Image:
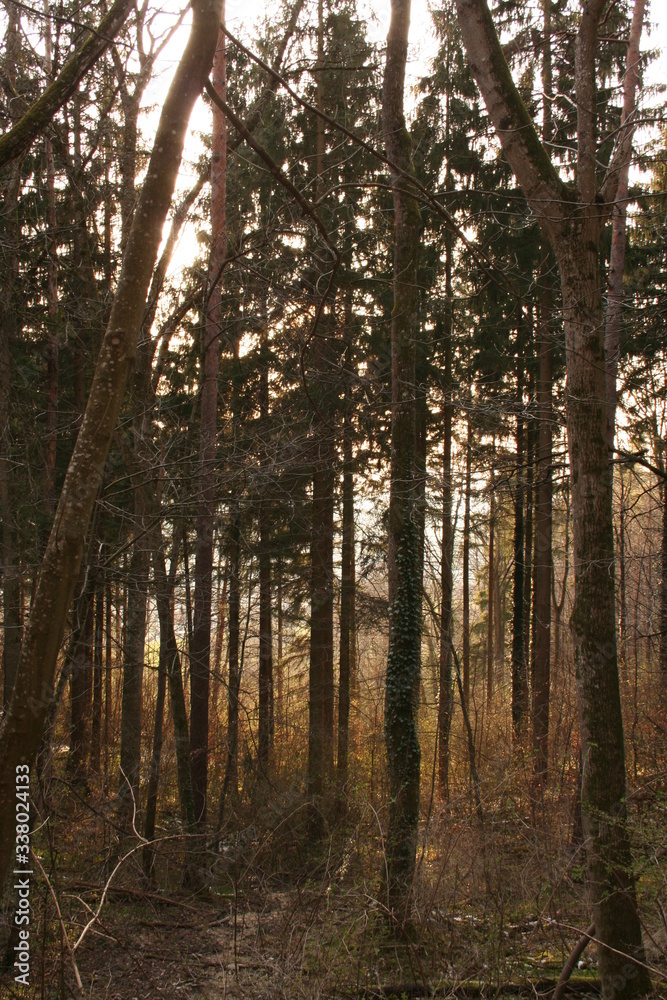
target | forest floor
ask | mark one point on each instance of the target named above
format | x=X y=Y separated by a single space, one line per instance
x=496 y=910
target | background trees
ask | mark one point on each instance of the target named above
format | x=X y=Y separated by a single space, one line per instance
x=316 y=465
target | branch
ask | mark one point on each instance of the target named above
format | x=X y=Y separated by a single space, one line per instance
x=525 y=153
x=17 y=140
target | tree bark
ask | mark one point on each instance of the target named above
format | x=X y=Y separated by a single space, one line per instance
x=574 y=232
x=22 y=726
x=542 y=555
x=38 y=116
x=491 y=581
x=347 y=597
x=200 y=652
x=519 y=679
x=405 y=598
x=466 y=565
x=266 y=719
x=98 y=647
x=446 y=677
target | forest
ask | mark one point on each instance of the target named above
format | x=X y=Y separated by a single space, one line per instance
x=333 y=501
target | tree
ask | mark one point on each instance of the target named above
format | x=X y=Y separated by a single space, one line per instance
x=404 y=574
x=571 y=218
x=23 y=724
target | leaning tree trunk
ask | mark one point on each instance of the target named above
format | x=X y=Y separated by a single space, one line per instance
x=23 y=723
x=405 y=598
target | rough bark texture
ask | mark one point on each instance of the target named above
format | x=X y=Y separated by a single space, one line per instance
x=98 y=647
x=346 y=601
x=446 y=676
x=401 y=737
x=321 y=684
x=540 y=666
x=519 y=684
x=11 y=648
x=200 y=651
x=23 y=724
x=574 y=232
x=466 y=566
x=266 y=721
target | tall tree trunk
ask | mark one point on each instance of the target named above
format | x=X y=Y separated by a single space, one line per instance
x=491 y=581
x=519 y=678
x=9 y=329
x=108 y=685
x=446 y=677
x=466 y=565
x=347 y=582
x=10 y=312
x=347 y=600
x=23 y=724
x=98 y=648
x=542 y=557
x=321 y=664
x=529 y=533
x=321 y=685
x=231 y=779
x=174 y=676
x=81 y=684
x=266 y=719
x=663 y=596
x=574 y=231
x=148 y=856
x=51 y=401
x=405 y=598
x=200 y=652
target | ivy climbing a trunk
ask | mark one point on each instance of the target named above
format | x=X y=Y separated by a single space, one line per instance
x=401 y=737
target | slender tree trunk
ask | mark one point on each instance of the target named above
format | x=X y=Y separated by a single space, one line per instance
x=405 y=615
x=321 y=686
x=347 y=597
x=663 y=596
x=542 y=557
x=9 y=330
x=347 y=590
x=98 y=648
x=529 y=536
x=491 y=579
x=148 y=857
x=266 y=720
x=446 y=677
x=321 y=664
x=133 y=658
x=200 y=651
x=81 y=686
x=23 y=724
x=519 y=678
x=231 y=779
x=51 y=401
x=108 y=685
x=466 y=565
